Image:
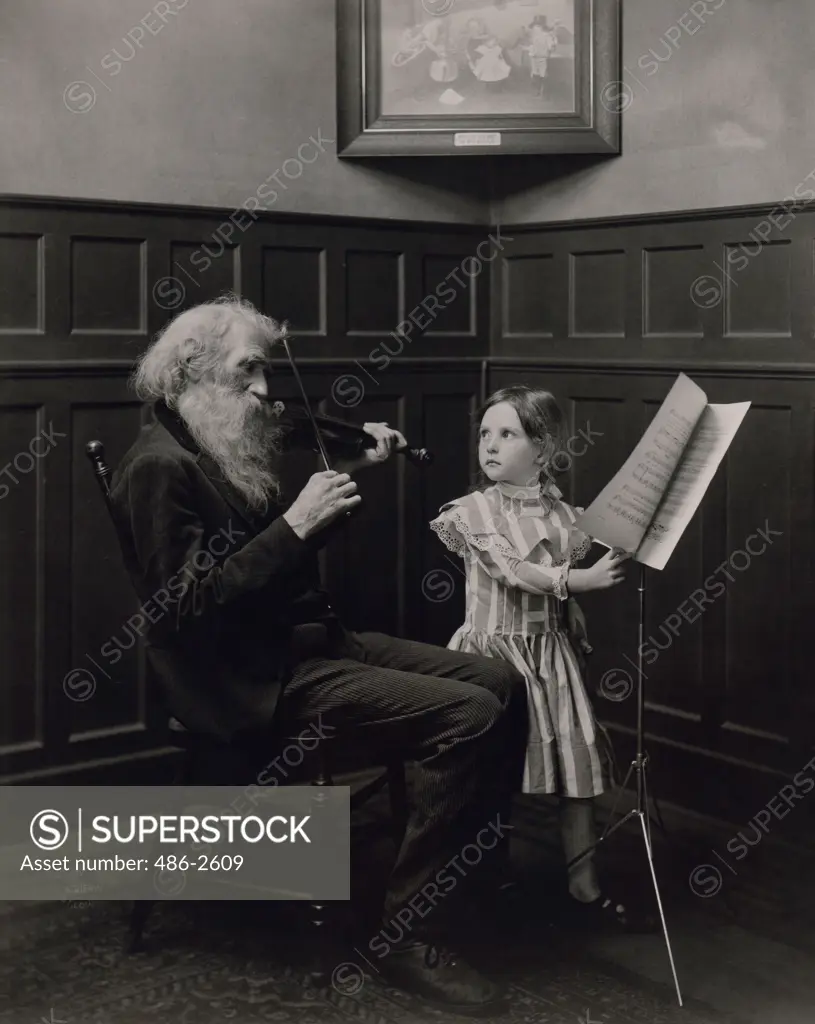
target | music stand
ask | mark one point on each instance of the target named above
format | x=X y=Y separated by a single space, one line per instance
x=664 y=479
x=638 y=766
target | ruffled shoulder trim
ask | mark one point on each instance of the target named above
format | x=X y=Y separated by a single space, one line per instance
x=479 y=521
x=471 y=521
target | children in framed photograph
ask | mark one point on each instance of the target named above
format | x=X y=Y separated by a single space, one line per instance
x=543 y=44
x=432 y=77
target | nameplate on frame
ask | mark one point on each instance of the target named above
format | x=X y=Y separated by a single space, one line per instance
x=477 y=139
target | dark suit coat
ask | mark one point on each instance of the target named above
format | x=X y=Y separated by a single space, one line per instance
x=222 y=588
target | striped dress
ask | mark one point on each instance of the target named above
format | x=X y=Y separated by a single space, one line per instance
x=518 y=544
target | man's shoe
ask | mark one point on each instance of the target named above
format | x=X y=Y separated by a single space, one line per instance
x=440 y=977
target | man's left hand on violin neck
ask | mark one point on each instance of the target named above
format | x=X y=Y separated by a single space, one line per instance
x=388 y=441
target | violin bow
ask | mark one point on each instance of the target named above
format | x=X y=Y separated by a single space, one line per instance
x=318 y=436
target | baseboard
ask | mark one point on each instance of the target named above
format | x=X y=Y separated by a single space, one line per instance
x=148 y=768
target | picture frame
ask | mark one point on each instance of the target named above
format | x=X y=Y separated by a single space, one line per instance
x=478 y=77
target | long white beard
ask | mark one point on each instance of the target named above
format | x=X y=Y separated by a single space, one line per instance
x=238 y=432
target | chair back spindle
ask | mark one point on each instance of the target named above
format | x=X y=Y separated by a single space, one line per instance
x=95 y=451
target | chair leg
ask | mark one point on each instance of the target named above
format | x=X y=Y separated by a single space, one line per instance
x=185 y=771
x=397 y=790
x=319 y=911
x=141 y=910
x=138 y=919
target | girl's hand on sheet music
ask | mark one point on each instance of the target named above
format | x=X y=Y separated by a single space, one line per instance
x=607 y=572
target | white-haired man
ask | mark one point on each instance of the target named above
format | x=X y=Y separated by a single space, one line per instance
x=251 y=636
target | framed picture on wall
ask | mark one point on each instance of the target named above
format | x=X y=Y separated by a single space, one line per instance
x=476 y=77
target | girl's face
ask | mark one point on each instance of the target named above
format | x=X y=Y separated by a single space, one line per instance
x=505 y=451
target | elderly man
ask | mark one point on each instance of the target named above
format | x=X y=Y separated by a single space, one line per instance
x=252 y=637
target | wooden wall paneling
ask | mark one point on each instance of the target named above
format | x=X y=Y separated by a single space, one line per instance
x=759 y=666
x=759 y=301
x=366 y=574
x=27 y=251
x=669 y=271
x=150 y=265
x=108 y=286
x=768 y=290
x=376 y=569
x=294 y=287
x=22 y=267
x=769 y=488
x=446 y=402
x=698 y=291
x=374 y=283
x=440 y=310
x=727 y=684
x=456 y=270
x=605 y=314
x=672 y=290
x=530 y=294
x=293 y=273
x=534 y=277
x=356 y=286
x=375 y=291
x=597 y=293
x=33 y=518
x=111 y=294
x=74 y=589
x=106 y=651
x=200 y=257
x=454 y=289
x=188 y=258
x=728 y=698
x=450 y=284
x=53 y=581
x=201 y=270
x=22 y=582
x=362 y=565
x=335 y=297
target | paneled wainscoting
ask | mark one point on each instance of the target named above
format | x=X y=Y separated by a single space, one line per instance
x=605 y=314
x=600 y=314
x=75 y=688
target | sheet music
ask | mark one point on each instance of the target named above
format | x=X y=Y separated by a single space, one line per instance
x=714 y=432
x=620 y=515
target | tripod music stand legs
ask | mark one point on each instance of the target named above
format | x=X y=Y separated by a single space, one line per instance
x=638 y=766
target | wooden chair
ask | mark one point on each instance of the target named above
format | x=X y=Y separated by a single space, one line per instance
x=199 y=750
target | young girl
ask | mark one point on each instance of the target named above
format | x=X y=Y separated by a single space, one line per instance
x=519 y=542
x=490 y=66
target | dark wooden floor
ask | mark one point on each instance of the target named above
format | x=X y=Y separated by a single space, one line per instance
x=742 y=930
x=744 y=945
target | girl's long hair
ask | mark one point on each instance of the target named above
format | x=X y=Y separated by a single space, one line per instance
x=542 y=421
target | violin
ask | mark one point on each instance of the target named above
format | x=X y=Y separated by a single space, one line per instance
x=342 y=440
x=347 y=440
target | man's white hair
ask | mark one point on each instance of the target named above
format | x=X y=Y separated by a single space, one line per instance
x=191 y=346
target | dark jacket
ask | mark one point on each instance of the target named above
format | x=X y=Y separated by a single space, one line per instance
x=227 y=594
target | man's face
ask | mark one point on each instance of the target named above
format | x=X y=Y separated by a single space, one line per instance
x=246 y=365
x=229 y=414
